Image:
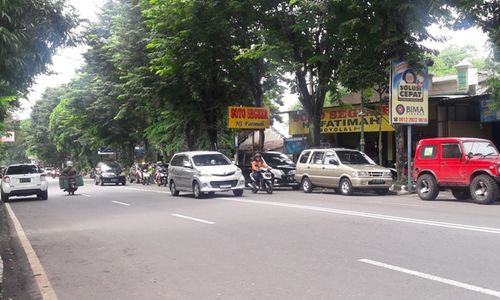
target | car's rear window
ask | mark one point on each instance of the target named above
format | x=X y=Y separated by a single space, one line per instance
x=23 y=169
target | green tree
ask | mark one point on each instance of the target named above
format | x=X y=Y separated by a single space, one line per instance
x=30 y=33
x=448 y=58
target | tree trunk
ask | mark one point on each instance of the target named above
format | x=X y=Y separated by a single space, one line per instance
x=262 y=137
x=314 y=129
x=400 y=151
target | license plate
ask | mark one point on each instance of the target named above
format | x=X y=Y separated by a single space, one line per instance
x=377 y=181
x=114 y=180
x=24 y=180
x=225 y=187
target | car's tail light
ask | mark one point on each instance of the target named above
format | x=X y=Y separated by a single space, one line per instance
x=6 y=179
x=43 y=177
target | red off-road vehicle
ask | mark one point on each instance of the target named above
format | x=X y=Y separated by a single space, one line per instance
x=469 y=167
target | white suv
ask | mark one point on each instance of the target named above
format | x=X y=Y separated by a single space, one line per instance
x=203 y=172
x=23 y=180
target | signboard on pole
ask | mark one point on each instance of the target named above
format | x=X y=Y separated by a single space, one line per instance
x=240 y=117
x=409 y=95
x=9 y=137
x=341 y=120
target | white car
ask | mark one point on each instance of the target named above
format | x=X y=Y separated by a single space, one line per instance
x=202 y=172
x=23 y=180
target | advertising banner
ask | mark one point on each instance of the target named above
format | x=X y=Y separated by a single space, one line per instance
x=294 y=145
x=488 y=114
x=341 y=120
x=409 y=95
x=8 y=137
x=248 y=117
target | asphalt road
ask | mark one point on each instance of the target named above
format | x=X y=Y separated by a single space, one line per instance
x=138 y=242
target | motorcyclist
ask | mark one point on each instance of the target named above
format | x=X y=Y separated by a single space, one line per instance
x=70 y=170
x=257 y=165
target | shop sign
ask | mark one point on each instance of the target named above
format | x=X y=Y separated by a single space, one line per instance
x=248 y=117
x=487 y=113
x=341 y=120
x=294 y=145
x=409 y=95
x=8 y=137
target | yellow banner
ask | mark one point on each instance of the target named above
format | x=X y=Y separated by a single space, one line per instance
x=341 y=120
x=248 y=117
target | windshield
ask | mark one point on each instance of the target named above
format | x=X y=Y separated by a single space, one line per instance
x=111 y=167
x=354 y=158
x=203 y=160
x=480 y=148
x=23 y=169
x=277 y=159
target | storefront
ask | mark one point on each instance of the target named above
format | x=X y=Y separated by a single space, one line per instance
x=341 y=127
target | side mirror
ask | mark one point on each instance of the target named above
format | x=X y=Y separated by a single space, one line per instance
x=470 y=155
x=333 y=161
x=186 y=164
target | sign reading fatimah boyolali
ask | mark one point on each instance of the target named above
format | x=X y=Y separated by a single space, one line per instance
x=342 y=120
x=409 y=94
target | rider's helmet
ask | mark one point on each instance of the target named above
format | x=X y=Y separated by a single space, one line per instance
x=69 y=163
x=257 y=156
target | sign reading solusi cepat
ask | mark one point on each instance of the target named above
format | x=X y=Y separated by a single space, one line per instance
x=409 y=95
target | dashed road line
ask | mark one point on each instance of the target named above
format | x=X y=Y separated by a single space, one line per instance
x=41 y=278
x=86 y=195
x=193 y=219
x=121 y=203
x=459 y=284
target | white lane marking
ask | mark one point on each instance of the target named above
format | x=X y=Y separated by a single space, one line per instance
x=41 y=278
x=373 y=216
x=194 y=219
x=144 y=190
x=433 y=277
x=121 y=203
x=86 y=195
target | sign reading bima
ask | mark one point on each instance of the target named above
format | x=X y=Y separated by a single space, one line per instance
x=248 y=117
x=409 y=95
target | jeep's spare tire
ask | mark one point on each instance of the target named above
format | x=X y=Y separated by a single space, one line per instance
x=427 y=187
x=483 y=189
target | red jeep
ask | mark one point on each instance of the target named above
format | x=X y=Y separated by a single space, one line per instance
x=467 y=166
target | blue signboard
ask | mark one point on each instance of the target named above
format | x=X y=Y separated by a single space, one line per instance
x=488 y=114
x=294 y=145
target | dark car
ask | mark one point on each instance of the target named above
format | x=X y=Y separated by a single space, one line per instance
x=109 y=172
x=282 y=167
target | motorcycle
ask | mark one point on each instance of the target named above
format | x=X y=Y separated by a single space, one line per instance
x=266 y=182
x=161 y=176
x=145 y=177
x=70 y=183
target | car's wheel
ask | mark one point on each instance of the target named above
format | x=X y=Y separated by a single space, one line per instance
x=382 y=192
x=346 y=187
x=44 y=195
x=461 y=194
x=101 y=182
x=173 y=189
x=483 y=189
x=5 y=197
x=306 y=184
x=96 y=182
x=427 y=187
x=124 y=182
x=196 y=190
x=238 y=193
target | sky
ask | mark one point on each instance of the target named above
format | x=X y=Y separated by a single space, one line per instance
x=69 y=60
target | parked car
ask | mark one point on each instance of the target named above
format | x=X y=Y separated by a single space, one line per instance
x=24 y=180
x=344 y=170
x=282 y=168
x=109 y=172
x=202 y=172
x=469 y=167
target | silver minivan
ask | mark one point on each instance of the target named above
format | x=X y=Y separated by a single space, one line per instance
x=344 y=170
x=204 y=172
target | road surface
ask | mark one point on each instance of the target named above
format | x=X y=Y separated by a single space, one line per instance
x=139 y=242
